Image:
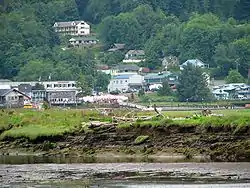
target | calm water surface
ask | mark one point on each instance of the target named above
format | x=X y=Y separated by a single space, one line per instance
x=59 y=172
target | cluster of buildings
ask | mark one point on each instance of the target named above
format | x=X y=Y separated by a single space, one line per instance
x=129 y=77
x=17 y=94
x=234 y=91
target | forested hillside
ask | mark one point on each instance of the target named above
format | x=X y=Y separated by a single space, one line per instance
x=215 y=31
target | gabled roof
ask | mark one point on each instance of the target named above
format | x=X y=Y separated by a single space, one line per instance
x=119 y=46
x=68 y=24
x=136 y=52
x=26 y=88
x=194 y=62
x=4 y=92
x=116 y=47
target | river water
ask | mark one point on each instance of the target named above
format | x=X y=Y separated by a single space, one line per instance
x=43 y=172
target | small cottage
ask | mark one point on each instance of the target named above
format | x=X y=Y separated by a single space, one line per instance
x=12 y=98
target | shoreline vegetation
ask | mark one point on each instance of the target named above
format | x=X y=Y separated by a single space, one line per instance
x=222 y=136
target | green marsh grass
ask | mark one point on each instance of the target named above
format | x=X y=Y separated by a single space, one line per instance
x=51 y=123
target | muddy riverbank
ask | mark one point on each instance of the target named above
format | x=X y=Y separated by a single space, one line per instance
x=94 y=175
x=212 y=144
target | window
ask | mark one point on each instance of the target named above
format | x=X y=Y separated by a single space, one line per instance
x=121 y=81
x=117 y=81
x=64 y=85
x=49 y=85
x=126 y=81
x=73 y=85
x=69 y=85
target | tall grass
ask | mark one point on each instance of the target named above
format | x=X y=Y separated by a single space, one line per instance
x=34 y=124
x=50 y=123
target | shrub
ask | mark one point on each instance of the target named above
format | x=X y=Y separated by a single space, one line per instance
x=141 y=139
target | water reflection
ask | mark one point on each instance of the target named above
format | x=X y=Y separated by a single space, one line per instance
x=135 y=185
x=85 y=159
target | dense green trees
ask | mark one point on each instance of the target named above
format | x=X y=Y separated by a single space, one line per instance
x=215 y=31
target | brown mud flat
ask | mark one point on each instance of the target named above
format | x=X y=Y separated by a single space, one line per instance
x=214 y=143
x=124 y=172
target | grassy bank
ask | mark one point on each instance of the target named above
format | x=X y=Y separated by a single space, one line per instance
x=57 y=123
x=87 y=132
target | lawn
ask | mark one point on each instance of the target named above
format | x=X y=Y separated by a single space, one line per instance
x=153 y=98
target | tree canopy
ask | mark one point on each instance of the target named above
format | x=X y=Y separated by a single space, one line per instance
x=193 y=85
x=234 y=77
x=216 y=32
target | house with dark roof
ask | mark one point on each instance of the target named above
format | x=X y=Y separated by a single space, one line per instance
x=73 y=28
x=12 y=98
x=127 y=68
x=158 y=78
x=116 y=47
x=134 y=56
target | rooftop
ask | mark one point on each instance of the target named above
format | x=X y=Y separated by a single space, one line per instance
x=126 y=76
x=136 y=52
x=157 y=75
x=82 y=38
x=127 y=67
x=68 y=24
x=195 y=62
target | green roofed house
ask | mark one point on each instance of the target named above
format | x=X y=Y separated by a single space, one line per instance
x=158 y=78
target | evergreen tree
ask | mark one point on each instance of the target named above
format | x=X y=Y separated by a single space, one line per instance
x=165 y=90
x=84 y=84
x=193 y=85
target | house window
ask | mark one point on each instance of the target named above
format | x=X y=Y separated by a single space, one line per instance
x=117 y=81
x=49 y=85
x=73 y=85
x=121 y=81
x=126 y=81
x=114 y=82
x=69 y=85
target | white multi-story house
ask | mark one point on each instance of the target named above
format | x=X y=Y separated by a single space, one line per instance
x=123 y=82
x=73 y=28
